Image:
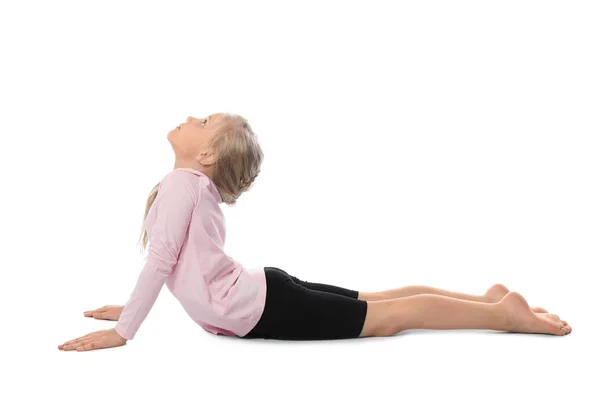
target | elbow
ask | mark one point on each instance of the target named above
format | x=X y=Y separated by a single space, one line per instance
x=163 y=259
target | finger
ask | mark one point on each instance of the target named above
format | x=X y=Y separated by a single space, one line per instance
x=75 y=340
x=69 y=347
x=90 y=346
x=81 y=343
x=102 y=309
x=103 y=316
x=89 y=335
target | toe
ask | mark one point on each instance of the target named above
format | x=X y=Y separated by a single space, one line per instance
x=539 y=310
x=550 y=325
x=565 y=328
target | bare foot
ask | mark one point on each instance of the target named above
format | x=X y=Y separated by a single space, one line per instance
x=496 y=292
x=521 y=319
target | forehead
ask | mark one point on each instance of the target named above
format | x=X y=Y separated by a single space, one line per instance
x=217 y=119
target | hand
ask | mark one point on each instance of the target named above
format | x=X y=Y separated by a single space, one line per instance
x=95 y=340
x=108 y=312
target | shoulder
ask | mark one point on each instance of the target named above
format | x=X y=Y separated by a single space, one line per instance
x=178 y=177
x=187 y=180
x=179 y=185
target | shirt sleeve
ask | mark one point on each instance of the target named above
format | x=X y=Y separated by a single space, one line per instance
x=173 y=207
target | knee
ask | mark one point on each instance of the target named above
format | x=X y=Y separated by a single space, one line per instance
x=382 y=320
x=387 y=330
x=378 y=326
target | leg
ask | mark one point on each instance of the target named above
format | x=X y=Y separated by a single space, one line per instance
x=430 y=311
x=320 y=286
x=294 y=312
x=494 y=294
x=327 y=288
x=411 y=290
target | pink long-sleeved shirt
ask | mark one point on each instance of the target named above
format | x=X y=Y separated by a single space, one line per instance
x=186 y=234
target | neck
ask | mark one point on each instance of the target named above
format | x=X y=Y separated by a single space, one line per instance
x=193 y=164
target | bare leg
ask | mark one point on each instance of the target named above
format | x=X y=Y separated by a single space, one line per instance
x=410 y=290
x=494 y=294
x=430 y=311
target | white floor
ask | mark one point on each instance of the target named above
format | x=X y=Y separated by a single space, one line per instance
x=416 y=365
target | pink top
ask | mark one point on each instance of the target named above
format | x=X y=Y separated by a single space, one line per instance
x=186 y=235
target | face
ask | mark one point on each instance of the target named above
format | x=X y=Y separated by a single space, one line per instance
x=190 y=139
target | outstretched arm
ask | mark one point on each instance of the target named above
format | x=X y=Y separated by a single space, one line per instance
x=172 y=210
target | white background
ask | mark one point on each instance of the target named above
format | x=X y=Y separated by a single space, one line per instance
x=451 y=144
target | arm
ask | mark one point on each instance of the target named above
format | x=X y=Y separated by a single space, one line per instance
x=173 y=208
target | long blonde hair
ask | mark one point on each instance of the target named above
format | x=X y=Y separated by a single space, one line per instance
x=238 y=160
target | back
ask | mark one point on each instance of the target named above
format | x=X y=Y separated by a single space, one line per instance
x=186 y=233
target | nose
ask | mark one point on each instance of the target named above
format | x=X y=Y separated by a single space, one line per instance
x=189 y=119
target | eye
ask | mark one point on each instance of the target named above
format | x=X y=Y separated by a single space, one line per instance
x=205 y=121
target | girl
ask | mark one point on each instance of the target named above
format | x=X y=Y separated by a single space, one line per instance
x=217 y=158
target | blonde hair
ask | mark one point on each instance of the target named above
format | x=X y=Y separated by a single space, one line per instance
x=238 y=159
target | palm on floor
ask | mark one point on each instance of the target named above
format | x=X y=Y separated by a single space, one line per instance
x=107 y=312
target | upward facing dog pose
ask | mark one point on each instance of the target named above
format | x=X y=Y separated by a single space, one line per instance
x=217 y=158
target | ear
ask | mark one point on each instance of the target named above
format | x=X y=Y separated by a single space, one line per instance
x=206 y=159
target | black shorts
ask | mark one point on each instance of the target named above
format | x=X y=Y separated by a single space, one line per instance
x=300 y=310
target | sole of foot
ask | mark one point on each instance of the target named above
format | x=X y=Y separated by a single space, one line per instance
x=498 y=291
x=521 y=319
